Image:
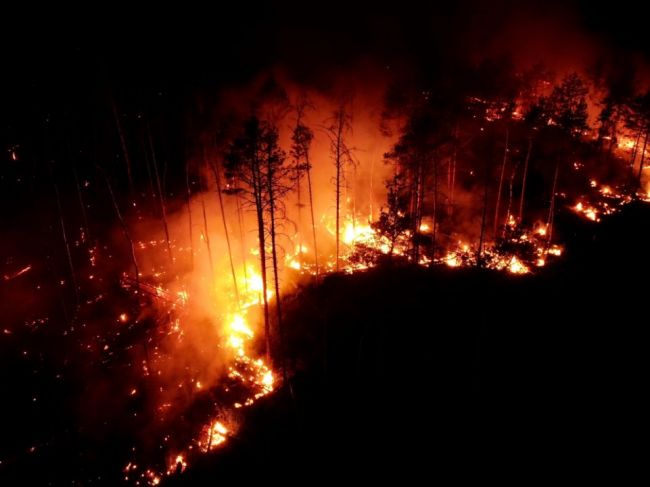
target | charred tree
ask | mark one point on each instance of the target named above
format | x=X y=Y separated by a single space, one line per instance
x=523 y=181
x=481 y=241
x=641 y=162
x=276 y=175
x=301 y=138
x=255 y=164
x=393 y=223
x=206 y=236
x=125 y=150
x=500 y=189
x=64 y=235
x=161 y=196
x=188 y=202
x=243 y=165
x=511 y=185
x=342 y=157
x=125 y=230
x=217 y=179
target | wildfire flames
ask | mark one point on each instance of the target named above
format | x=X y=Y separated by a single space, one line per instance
x=211 y=293
x=247 y=372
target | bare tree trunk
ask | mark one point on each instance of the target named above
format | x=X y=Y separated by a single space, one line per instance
x=419 y=199
x=452 y=174
x=125 y=230
x=635 y=149
x=262 y=243
x=371 y=186
x=84 y=216
x=240 y=221
x=152 y=189
x=479 y=254
x=274 y=256
x=510 y=197
x=217 y=178
x=435 y=210
x=125 y=150
x=207 y=242
x=551 y=210
x=645 y=143
x=299 y=204
x=257 y=184
x=339 y=164
x=354 y=198
x=500 y=190
x=523 y=181
x=73 y=276
x=313 y=219
x=189 y=212
x=161 y=197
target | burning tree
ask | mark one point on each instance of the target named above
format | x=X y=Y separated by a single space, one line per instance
x=637 y=119
x=427 y=139
x=393 y=224
x=342 y=156
x=301 y=138
x=255 y=163
x=565 y=108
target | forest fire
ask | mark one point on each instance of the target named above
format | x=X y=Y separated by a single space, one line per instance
x=164 y=240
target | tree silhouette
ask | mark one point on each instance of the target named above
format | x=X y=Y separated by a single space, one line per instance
x=254 y=163
x=393 y=222
x=301 y=140
x=341 y=155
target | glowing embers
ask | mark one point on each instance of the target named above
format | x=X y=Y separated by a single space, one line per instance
x=300 y=260
x=146 y=477
x=13 y=275
x=217 y=435
x=587 y=211
x=517 y=252
x=510 y=263
x=461 y=256
x=604 y=200
x=178 y=465
x=245 y=380
x=253 y=374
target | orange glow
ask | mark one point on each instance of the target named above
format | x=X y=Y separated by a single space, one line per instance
x=452 y=260
x=356 y=233
x=178 y=464
x=517 y=267
x=217 y=435
x=587 y=211
x=626 y=143
x=235 y=317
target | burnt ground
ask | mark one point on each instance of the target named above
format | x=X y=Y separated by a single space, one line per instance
x=413 y=374
x=407 y=372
